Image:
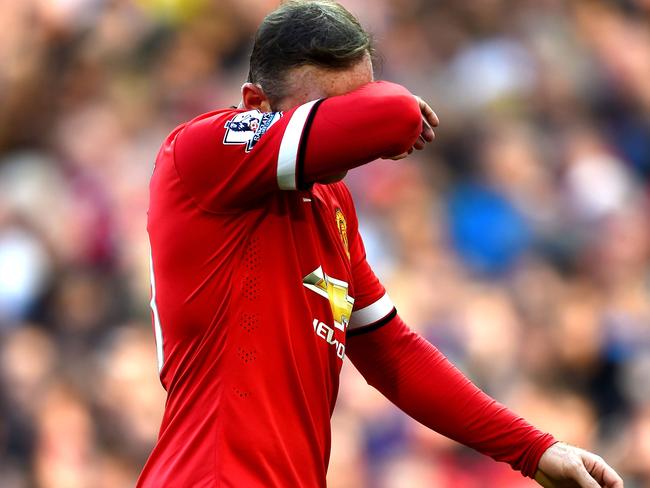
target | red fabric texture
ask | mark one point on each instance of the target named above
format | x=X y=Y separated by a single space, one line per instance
x=418 y=378
x=380 y=119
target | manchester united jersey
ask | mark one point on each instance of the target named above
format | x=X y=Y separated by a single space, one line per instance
x=257 y=278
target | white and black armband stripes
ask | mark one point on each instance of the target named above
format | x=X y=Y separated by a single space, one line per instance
x=293 y=147
x=372 y=317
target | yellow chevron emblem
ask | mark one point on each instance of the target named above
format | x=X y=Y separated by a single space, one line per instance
x=336 y=291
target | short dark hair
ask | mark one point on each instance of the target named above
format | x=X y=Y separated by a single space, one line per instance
x=321 y=33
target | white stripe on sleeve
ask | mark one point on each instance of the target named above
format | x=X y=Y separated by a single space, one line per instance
x=288 y=155
x=372 y=313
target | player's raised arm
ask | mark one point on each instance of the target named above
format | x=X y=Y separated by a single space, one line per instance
x=231 y=158
x=310 y=111
x=378 y=120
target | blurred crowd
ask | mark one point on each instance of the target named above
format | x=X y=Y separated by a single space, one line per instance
x=519 y=243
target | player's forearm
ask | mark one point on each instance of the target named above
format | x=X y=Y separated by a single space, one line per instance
x=417 y=378
x=380 y=119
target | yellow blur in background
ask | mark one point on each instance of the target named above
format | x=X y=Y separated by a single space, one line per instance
x=519 y=243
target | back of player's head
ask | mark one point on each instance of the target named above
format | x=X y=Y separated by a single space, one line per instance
x=320 y=33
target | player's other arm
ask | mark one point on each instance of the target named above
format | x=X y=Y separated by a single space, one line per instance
x=417 y=378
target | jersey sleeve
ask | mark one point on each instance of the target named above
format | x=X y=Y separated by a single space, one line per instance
x=378 y=120
x=232 y=158
x=419 y=379
x=372 y=305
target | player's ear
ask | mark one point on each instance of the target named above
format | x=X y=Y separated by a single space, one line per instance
x=254 y=98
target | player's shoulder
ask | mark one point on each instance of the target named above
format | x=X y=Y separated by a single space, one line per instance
x=211 y=117
x=232 y=127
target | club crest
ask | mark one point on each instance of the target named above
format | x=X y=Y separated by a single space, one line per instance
x=342 y=226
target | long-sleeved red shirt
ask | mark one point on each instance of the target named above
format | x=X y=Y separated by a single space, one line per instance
x=259 y=277
x=417 y=378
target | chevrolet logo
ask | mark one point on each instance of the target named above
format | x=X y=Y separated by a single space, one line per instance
x=336 y=291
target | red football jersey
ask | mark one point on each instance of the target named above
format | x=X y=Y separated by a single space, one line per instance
x=257 y=277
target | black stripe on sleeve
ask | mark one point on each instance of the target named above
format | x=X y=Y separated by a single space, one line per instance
x=300 y=161
x=374 y=326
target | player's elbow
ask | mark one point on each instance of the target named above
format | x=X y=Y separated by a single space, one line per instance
x=404 y=126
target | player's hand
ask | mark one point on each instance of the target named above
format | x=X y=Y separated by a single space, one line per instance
x=429 y=121
x=565 y=466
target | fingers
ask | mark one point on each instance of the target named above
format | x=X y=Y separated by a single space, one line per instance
x=563 y=465
x=419 y=143
x=601 y=471
x=427 y=134
x=429 y=120
x=611 y=479
x=595 y=471
x=583 y=477
x=427 y=112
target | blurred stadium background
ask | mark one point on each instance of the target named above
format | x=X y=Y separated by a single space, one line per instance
x=519 y=243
